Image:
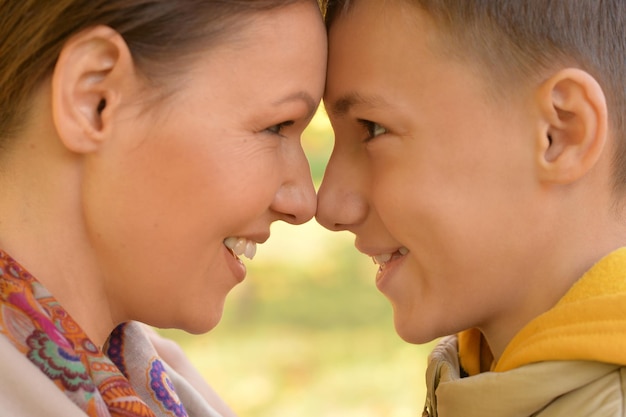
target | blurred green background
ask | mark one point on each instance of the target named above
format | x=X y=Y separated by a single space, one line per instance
x=307 y=333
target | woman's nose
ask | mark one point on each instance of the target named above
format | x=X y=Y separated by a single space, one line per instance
x=295 y=201
x=341 y=203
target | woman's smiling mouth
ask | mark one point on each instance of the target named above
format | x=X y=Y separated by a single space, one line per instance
x=241 y=246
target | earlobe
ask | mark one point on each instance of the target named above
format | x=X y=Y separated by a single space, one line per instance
x=92 y=70
x=575 y=125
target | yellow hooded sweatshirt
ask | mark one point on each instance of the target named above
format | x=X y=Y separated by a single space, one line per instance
x=570 y=361
x=588 y=323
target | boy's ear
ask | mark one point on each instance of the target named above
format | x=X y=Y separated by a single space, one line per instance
x=575 y=125
x=93 y=69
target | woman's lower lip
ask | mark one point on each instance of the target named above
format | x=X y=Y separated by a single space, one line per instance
x=236 y=266
x=386 y=272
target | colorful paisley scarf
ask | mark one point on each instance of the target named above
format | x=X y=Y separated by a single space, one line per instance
x=129 y=380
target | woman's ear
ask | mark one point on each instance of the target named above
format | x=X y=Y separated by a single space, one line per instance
x=93 y=70
x=574 y=125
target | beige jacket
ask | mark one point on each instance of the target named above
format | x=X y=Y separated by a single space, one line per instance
x=544 y=389
x=569 y=361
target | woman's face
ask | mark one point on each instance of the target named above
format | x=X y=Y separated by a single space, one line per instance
x=218 y=161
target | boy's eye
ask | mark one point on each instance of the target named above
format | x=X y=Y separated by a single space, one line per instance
x=373 y=129
x=277 y=129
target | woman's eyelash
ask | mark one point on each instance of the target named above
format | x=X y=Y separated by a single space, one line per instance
x=278 y=128
x=373 y=129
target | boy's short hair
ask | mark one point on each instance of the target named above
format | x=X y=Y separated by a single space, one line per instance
x=516 y=42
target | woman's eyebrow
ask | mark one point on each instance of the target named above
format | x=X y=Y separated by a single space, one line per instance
x=345 y=103
x=300 y=96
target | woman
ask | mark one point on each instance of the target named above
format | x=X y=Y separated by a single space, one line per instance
x=146 y=145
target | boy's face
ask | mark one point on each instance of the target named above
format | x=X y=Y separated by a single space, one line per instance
x=429 y=169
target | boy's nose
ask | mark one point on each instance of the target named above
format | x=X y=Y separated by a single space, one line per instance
x=340 y=202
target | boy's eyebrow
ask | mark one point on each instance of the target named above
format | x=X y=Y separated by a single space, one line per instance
x=345 y=103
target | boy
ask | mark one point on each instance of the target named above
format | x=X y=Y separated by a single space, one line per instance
x=480 y=159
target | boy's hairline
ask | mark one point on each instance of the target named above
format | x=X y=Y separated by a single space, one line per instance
x=500 y=81
x=449 y=45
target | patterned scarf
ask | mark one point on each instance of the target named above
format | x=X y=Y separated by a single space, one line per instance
x=129 y=380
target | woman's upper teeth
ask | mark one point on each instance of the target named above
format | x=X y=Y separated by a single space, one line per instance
x=241 y=246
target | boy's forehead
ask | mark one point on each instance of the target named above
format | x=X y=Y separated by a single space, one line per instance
x=376 y=43
x=379 y=47
x=382 y=29
x=383 y=64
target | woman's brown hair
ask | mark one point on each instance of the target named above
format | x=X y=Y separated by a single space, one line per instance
x=158 y=33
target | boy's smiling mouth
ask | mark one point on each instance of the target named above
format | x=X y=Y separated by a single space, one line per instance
x=387 y=263
x=384 y=258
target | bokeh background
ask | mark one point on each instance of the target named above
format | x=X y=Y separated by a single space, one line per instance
x=307 y=334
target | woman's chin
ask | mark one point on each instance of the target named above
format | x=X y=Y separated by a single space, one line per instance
x=200 y=323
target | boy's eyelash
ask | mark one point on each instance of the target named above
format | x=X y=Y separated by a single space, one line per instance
x=278 y=128
x=370 y=127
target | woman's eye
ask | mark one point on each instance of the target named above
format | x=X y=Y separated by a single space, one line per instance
x=277 y=129
x=373 y=129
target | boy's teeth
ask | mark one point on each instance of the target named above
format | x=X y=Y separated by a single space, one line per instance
x=381 y=259
x=241 y=246
x=386 y=257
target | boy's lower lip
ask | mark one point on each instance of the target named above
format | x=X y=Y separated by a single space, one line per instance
x=386 y=271
x=236 y=266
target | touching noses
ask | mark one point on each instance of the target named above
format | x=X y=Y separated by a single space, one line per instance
x=295 y=202
x=341 y=203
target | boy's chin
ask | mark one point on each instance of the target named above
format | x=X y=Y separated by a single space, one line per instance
x=416 y=334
